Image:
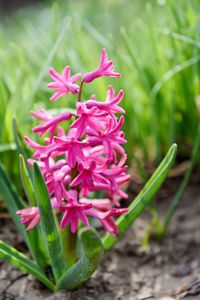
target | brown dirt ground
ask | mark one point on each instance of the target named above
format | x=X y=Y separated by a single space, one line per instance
x=166 y=270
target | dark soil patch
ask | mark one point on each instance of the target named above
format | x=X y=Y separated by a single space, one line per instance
x=166 y=270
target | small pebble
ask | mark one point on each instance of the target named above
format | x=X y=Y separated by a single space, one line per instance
x=182 y=270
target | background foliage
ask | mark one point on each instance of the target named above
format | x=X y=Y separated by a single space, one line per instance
x=155 y=45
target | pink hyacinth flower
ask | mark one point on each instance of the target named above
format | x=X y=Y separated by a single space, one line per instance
x=87 y=117
x=51 y=124
x=73 y=147
x=87 y=176
x=106 y=68
x=117 y=176
x=73 y=211
x=40 y=149
x=31 y=215
x=110 y=105
x=106 y=218
x=56 y=182
x=63 y=83
x=111 y=136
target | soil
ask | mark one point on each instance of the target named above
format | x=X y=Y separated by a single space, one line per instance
x=166 y=270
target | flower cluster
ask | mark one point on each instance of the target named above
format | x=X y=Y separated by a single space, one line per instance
x=84 y=160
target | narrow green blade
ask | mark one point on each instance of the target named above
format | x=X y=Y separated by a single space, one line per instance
x=48 y=224
x=27 y=182
x=21 y=148
x=7 y=147
x=35 y=234
x=19 y=141
x=87 y=264
x=22 y=262
x=142 y=200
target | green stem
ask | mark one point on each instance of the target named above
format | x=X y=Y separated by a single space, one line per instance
x=80 y=91
x=178 y=196
x=69 y=240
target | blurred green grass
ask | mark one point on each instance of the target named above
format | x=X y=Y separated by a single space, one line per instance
x=154 y=44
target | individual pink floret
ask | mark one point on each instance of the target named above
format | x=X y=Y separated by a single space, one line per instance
x=88 y=175
x=31 y=215
x=63 y=83
x=51 y=123
x=106 y=68
x=106 y=218
x=109 y=137
x=87 y=118
x=73 y=212
x=73 y=147
x=110 y=105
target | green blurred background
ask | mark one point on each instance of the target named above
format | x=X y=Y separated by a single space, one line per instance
x=155 y=46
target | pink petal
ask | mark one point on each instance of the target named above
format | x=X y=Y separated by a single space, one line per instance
x=74 y=222
x=55 y=75
x=66 y=218
x=55 y=85
x=58 y=94
x=104 y=57
x=33 y=223
x=66 y=73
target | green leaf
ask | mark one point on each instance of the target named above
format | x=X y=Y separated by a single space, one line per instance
x=82 y=270
x=35 y=234
x=21 y=148
x=7 y=147
x=27 y=182
x=144 y=197
x=19 y=141
x=48 y=224
x=22 y=262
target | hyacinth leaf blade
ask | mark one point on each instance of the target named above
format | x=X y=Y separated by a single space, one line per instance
x=49 y=229
x=82 y=270
x=21 y=148
x=35 y=234
x=20 y=145
x=22 y=262
x=144 y=197
x=7 y=147
x=26 y=181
